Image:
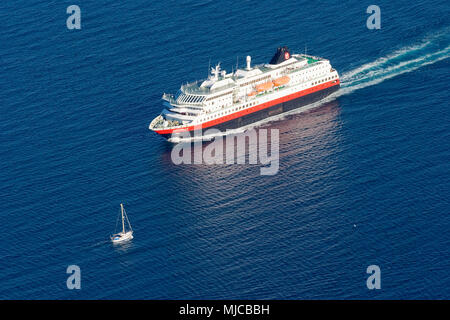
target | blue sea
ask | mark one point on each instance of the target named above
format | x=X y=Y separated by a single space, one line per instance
x=364 y=177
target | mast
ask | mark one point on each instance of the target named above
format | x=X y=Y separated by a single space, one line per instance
x=123 y=221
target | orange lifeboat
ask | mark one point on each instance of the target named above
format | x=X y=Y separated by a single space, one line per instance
x=281 y=81
x=264 y=86
x=252 y=93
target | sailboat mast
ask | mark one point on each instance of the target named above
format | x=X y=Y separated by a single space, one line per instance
x=123 y=221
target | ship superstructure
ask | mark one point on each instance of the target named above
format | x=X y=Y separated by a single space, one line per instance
x=232 y=100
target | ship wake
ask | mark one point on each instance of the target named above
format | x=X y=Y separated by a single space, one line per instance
x=429 y=50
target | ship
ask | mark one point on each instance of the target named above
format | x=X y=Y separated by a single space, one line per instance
x=227 y=101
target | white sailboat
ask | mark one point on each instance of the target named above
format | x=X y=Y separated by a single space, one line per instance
x=124 y=235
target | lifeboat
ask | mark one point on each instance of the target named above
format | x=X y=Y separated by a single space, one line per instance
x=264 y=86
x=252 y=93
x=281 y=81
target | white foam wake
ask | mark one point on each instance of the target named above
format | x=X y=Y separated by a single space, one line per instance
x=401 y=61
x=382 y=61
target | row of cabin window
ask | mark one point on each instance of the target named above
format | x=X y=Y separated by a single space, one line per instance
x=220 y=100
x=311 y=70
x=329 y=78
x=234 y=109
x=316 y=68
x=326 y=79
x=215 y=97
x=254 y=81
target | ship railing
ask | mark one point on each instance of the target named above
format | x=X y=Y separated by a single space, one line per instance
x=168 y=97
x=172 y=123
x=311 y=56
x=160 y=123
x=194 y=88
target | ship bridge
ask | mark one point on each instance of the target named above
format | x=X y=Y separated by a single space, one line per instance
x=186 y=98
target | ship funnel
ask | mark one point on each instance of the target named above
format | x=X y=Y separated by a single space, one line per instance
x=249 y=60
x=282 y=55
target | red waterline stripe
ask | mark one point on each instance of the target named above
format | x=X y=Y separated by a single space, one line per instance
x=253 y=109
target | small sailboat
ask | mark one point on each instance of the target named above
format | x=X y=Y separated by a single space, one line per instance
x=124 y=235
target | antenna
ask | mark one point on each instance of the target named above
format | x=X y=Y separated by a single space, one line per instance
x=305 y=48
x=237 y=63
x=209 y=67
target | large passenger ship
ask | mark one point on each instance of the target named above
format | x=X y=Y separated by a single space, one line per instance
x=233 y=100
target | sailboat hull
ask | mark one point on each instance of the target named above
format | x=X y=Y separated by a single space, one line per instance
x=122 y=237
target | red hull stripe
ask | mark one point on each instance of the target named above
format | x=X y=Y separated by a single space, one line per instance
x=259 y=107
